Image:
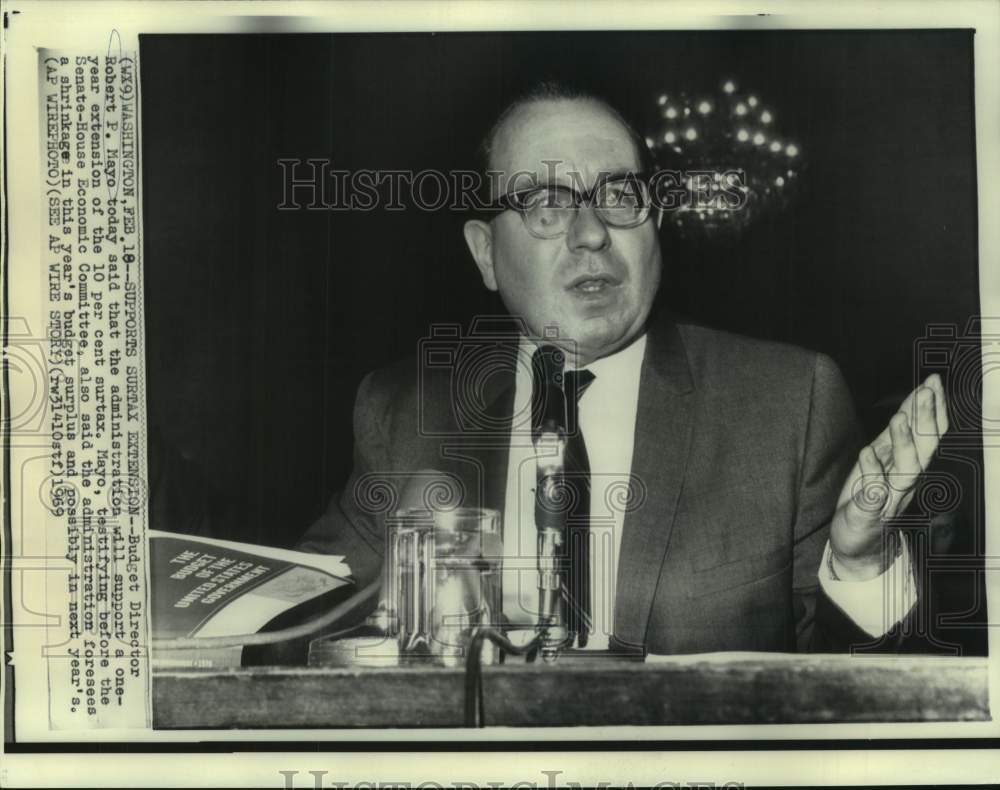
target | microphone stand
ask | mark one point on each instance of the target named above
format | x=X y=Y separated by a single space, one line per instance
x=550 y=522
x=551 y=634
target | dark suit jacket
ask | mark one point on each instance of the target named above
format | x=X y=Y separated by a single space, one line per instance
x=742 y=446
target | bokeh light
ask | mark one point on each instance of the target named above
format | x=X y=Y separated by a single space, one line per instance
x=760 y=165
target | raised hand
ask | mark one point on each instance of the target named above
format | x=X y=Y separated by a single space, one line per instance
x=883 y=480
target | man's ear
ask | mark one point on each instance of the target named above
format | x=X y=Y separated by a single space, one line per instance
x=479 y=238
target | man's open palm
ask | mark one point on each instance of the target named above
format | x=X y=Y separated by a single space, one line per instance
x=882 y=482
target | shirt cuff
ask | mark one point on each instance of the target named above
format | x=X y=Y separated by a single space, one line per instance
x=875 y=605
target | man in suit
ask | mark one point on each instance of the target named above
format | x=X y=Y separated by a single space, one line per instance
x=727 y=502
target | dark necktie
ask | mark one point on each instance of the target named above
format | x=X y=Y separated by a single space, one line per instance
x=556 y=396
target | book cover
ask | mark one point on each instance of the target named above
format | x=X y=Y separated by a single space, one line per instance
x=203 y=587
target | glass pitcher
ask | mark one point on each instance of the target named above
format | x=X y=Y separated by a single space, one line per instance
x=443 y=570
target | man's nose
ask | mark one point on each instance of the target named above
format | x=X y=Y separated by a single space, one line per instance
x=587 y=232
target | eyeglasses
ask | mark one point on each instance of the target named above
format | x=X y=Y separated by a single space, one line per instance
x=549 y=210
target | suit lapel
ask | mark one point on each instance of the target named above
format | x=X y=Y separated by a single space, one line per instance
x=662 y=443
x=481 y=450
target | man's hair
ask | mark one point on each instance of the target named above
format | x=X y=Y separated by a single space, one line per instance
x=552 y=90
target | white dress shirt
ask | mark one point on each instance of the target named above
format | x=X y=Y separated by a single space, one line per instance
x=607 y=416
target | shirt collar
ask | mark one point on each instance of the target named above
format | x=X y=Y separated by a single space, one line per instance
x=624 y=362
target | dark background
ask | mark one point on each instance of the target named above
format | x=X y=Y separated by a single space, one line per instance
x=260 y=323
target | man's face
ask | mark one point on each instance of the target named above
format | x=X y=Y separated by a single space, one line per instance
x=596 y=283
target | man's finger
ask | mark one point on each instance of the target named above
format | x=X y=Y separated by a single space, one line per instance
x=940 y=403
x=925 y=435
x=883 y=450
x=905 y=463
x=871 y=490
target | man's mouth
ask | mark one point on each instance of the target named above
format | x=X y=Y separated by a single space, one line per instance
x=593 y=283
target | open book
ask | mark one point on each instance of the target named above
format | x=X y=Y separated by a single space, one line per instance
x=206 y=587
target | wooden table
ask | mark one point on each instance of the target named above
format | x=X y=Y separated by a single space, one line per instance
x=720 y=689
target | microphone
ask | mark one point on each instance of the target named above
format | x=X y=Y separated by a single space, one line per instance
x=550 y=522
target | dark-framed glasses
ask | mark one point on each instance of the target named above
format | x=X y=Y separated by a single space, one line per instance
x=549 y=210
